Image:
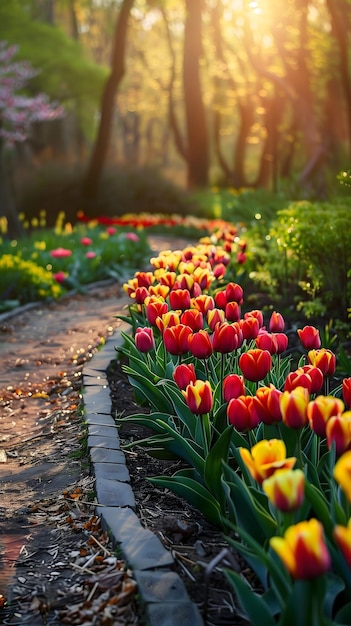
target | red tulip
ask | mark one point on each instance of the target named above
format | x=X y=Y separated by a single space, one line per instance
x=309 y=337
x=298 y=379
x=242 y=413
x=316 y=376
x=346 y=391
x=203 y=303
x=140 y=294
x=221 y=300
x=232 y=311
x=145 y=279
x=234 y=293
x=144 y=339
x=338 y=431
x=198 y=396
x=184 y=374
x=215 y=316
x=175 y=339
x=193 y=318
x=255 y=364
x=179 y=299
x=255 y=313
x=225 y=338
x=250 y=327
x=266 y=341
x=342 y=536
x=276 y=323
x=200 y=344
x=171 y=318
x=282 y=341
x=233 y=387
x=155 y=309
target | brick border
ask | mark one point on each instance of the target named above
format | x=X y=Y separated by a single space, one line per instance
x=162 y=591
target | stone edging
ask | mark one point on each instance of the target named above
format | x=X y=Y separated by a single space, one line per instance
x=162 y=591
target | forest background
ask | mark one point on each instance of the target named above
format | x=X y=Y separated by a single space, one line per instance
x=233 y=93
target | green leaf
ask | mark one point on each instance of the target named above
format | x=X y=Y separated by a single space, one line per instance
x=252 y=604
x=192 y=491
x=214 y=465
x=180 y=407
x=187 y=450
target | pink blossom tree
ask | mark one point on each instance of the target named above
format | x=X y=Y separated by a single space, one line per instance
x=17 y=114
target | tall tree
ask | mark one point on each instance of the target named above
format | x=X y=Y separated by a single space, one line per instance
x=93 y=175
x=196 y=125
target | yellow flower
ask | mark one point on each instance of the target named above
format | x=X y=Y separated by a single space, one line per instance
x=342 y=473
x=265 y=458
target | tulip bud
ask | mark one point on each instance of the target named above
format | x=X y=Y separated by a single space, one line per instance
x=303 y=550
x=242 y=413
x=234 y=293
x=179 y=299
x=282 y=341
x=198 y=396
x=171 y=318
x=250 y=327
x=221 y=300
x=276 y=323
x=320 y=410
x=346 y=391
x=232 y=311
x=267 y=401
x=255 y=364
x=193 y=318
x=324 y=359
x=255 y=313
x=155 y=309
x=293 y=405
x=225 y=338
x=309 y=337
x=175 y=339
x=266 y=341
x=144 y=339
x=200 y=344
x=214 y=317
x=233 y=387
x=285 y=489
x=338 y=431
x=203 y=303
x=184 y=374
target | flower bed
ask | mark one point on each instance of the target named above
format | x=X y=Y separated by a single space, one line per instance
x=260 y=418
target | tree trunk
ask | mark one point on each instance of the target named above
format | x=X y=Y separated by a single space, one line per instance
x=7 y=200
x=196 y=127
x=92 y=179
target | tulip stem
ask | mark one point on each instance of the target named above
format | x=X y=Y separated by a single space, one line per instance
x=206 y=432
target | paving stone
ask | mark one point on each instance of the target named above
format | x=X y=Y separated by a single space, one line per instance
x=98 y=419
x=103 y=430
x=98 y=399
x=116 y=471
x=104 y=455
x=111 y=492
x=97 y=441
x=161 y=586
x=173 y=614
x=141 y=548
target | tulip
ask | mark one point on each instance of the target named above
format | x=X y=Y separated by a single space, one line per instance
x=167 y=278
x=276 y=323
x=232 y=311
x=60 y=253
x=285 y=489
x=282 y=341
x=255 y=364
x=316 y=376
x=233 y=387
x=241 y=257
x=203 y=278
x=175 y=339
x=298 y=378
x=184 y=374
x=221 y=300
x=215 y=316
x=303 y=550
x=309 y=337
x=60 y=277
x=184 y=281
x=267 y=402
x=342 y=473
x=266 y=341
x=255 y=313
x=179 y=299
x=242 y=413
x=144 y=279
x=234 y=293
x=293 y=405
x=132 y=237
x=144 y=339
x=203 y=303
x=320 y=410
x=250 y=327
x=324 y=359
x=86 y=241
x=193 y=318
x=198 y=396
x=338 y=431
x=140 y=294
x=265 y=458
x=200 y=344
x=155 y=309
x=219 y=270
x=346 y=391
x=342 y=536
x=159 y=290
x=225 y=338
x=171 y=318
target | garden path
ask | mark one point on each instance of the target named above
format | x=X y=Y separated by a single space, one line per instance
x=42 y=352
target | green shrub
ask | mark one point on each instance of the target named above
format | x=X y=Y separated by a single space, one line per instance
x=24 y=281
